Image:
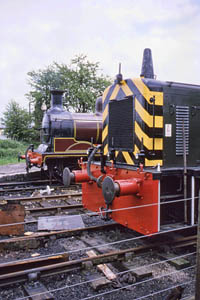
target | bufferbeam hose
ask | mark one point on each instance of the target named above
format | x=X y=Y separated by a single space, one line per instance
x=90 y=159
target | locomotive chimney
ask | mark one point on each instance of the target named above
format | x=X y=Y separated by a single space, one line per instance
x=98 y=106
x=57 y=99
x=147 y=64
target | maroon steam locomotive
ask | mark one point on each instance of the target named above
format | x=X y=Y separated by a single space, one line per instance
x=65 y=137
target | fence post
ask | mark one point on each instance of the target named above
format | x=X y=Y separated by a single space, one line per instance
x=197 y=289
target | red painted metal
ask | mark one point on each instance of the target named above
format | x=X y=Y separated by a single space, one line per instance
x=81 y=176
x=35 y=158
x=128 y=187
x=127 y=206
x=36 y=161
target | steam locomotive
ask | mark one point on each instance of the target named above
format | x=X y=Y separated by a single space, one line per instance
x=65 y=137
x=148 y=177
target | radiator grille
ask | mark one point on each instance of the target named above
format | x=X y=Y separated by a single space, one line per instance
x=121 y=124
x=182 y=117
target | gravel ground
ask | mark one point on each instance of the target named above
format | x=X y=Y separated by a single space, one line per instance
x=69 y=285
x=19 y=168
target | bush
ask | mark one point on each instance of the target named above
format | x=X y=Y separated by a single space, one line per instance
x=9 y=150
x=5 y=144
x=18 y=123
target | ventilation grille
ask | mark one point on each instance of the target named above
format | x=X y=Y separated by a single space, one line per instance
x=121 y=125
x=182 y=119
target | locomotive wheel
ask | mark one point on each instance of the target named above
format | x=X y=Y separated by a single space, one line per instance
x=66 y=177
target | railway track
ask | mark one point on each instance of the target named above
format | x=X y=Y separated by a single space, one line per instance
x=35 y=182
x=42 y=237
x=54 y=208
x=43 y=197
x=23 y=188
x=14 y=274
x=21 y=271
x=49 y=203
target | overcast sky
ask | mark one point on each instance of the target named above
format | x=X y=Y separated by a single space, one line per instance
x=35 y=33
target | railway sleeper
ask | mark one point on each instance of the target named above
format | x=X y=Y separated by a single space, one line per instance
x=37 y=291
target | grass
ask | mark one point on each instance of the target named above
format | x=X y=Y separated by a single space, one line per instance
x=9 y=150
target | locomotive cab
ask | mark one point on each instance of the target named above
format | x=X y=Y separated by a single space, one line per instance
x=148 y=179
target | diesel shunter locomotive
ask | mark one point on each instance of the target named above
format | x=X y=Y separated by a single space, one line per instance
x=148 y=177
x=65 y=137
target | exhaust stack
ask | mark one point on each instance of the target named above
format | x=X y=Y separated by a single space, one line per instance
x=147 y=65
x=57 y=99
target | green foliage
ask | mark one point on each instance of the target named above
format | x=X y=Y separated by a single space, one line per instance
x=17 y=123
x=9 y=150
x=83 y=84
x=10 y=144
x=42 y=82
x=80 y=79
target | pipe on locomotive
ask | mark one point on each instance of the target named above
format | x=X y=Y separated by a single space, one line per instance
x=80 y=176
x=90 y=159
x=110 y=188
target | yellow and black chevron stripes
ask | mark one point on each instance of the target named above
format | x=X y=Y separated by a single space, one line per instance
x=104 y=139
x=105 y=93
x=111 y=93
x=147 y=141
x=127 y=91
x=148 y=162
x=127 y=157
x=121 y=91
x=148 y=119
x=145 y=99
x=115 y=92
x=147 y=94
x=105 y=99
x=152 y=126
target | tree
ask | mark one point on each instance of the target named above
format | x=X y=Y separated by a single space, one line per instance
x=80 y=80
x=42 y=82
x=83 y=84
x=17 y=122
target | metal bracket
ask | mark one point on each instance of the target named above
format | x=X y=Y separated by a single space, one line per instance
x=104 y=213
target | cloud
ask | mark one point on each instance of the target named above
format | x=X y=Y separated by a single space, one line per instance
x=33 y=34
